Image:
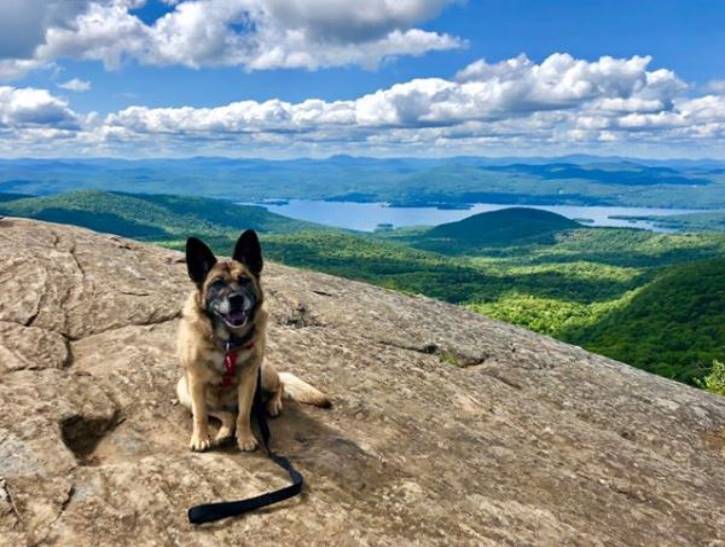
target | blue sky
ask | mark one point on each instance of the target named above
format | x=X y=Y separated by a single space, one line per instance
x=393 y=77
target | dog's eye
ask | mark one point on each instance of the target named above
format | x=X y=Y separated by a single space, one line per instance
x=242 y=280
x=217 y=284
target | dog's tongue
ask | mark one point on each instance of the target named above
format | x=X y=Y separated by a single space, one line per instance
x=236 y=316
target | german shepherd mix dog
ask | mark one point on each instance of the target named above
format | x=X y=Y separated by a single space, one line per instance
x=221 y=346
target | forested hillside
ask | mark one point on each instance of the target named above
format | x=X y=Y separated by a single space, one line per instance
x=506 y=227
x=146 y=216
x=674 y=326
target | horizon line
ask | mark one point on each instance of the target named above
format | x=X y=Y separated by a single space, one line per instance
x=363 y=157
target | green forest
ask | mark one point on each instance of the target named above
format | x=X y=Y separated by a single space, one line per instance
x=653 y=300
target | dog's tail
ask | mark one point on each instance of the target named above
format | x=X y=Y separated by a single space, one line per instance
x=302 y=392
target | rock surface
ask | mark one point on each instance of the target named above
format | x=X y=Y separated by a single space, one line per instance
x=447 y=428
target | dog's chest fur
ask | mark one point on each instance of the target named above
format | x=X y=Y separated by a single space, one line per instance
x=215 y=361
x=204 y=360
x=218 y=395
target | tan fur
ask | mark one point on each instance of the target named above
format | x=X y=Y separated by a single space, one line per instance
x=200 y=388
x=302 y=392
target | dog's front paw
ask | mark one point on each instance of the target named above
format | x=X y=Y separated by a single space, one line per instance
x=200 y=441
x=246 y=441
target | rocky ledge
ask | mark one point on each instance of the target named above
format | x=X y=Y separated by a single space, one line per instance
x=447 y=427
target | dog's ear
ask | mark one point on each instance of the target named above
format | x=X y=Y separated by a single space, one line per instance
x=199 y=260
x=249 y=252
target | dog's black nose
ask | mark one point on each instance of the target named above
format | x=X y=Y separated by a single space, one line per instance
x=236 y=301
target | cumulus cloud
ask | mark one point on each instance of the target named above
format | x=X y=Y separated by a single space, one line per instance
x=23 y=23
x=516 y=104
x=76 y=84
x=515 y=88
x=254 y=34
x=30 y=108
x=561 y=81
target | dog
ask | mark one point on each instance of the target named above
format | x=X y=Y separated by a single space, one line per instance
x=221 y=343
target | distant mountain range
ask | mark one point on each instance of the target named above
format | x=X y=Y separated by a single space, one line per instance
x=576 y=180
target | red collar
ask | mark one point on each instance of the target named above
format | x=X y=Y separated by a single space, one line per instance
x=230 y=363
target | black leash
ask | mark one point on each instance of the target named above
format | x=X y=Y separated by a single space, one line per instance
x=210 y=512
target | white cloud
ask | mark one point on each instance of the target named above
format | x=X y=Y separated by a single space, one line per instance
x=76 y=85
x=716 y=86
x=30 y=108
x=562 y=104
x=561 y=81
x=511 y=89
x=253 y=34
x=515 y=103
x=104 y=31
x=12 y=69
x=23 y=23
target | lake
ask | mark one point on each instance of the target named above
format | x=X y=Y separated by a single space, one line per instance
x=367 y=216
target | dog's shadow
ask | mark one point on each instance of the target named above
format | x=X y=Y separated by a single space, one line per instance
x=328 y=460
x=299 y=434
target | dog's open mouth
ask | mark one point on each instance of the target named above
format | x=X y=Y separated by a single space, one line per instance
x=235 y=318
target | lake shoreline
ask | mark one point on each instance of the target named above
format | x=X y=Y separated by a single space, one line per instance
x=369 y=216
x=511 y=200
